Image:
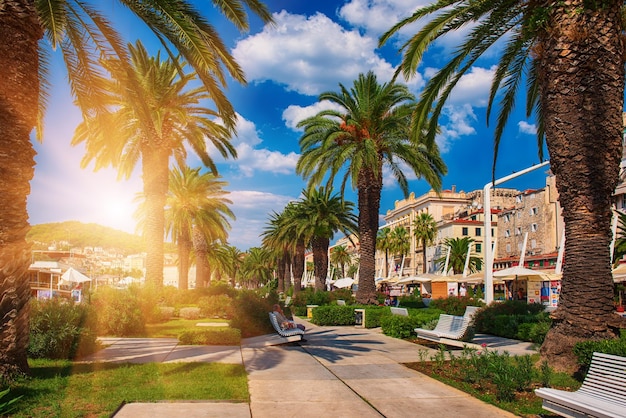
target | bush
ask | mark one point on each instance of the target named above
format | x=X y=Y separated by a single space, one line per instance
x=333 y=315
x=398 y=326
x=251 y=313
x=506 y=319
x=454 y=305
x=585 y=349
x=216 y=306
x=60 y=329
x=411 y=301
x=214 y=336
x=373 y=315
x=310 y=296
x=190 y=312
x=119 y=312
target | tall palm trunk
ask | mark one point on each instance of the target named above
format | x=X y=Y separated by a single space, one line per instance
x=298 y=266
x=184 y=249
x=19 y=89
x=155 y=185
x=424 y=257
x=581 y=67
x=369 y=189
x=201 y=250
x=280 y=272
x=320 y=261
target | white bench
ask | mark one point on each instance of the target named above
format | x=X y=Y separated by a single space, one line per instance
x=449 y=327
x=602 y=394
x=291 y=334
x=341 y=302
x=399 y=311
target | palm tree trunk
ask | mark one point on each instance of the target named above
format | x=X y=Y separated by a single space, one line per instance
x=369 y=188
x=424 y=270
x=184 y=249
x=19 y=32
x=280 y=272
x=155 y=165
x=320 y=261
x=583 y=69
x=200 y=248
x=298 y=266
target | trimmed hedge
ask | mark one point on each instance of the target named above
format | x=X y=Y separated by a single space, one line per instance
x=402 y=326
x=585 y=349
x=213 y=336
x=333 y=315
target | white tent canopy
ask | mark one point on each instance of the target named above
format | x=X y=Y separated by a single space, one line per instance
x=345 y=282
x=73 y=276
x=521 y=272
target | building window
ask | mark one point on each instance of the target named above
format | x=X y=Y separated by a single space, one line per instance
x=465 y=231
x=534 y=211
x=519 y=214
x=478 y=232
x=534 y=227
x=533 y=243
x=479 y=248
x=519 y=198
x=492 y=232
x=519 y=247
x=507 y=233
x=508 y=248
x=507 y=218
x=518 y=231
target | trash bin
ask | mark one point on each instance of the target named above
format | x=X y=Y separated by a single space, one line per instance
x=359 y=318
x=309 y=310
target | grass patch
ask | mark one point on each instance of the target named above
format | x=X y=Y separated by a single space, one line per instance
x=66 y=389
x=174 y=327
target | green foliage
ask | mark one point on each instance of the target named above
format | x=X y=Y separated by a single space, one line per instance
x=545 y=374
x=373 y=315
x=251 y=313
x=7 y=406
x=454 y=305
x=119 y=312
x=60 y=329
x=343 y=294
x=410 y=301
x=398 y=326
x=333 y=315
x=216 y=306
x=514 y=319
x=189 y=312
x=585 y=349
x=310 y=296
x=213 y=336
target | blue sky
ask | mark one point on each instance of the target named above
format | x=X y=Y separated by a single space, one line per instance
x=314 y=46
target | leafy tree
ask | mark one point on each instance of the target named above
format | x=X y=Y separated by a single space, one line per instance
x=279 y=243
x=340 y=256
x=195 y=199
x=368 y=132
x=256 y=268
x=425 y=231
x=82 y=34
x=400 y=242
x=572 y=53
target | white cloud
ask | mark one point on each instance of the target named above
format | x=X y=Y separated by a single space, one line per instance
x=527 y=128
x=252 y=209
x=473 y=87
x=294 y=114
x=458 y=123
x=377 y=16
x=310 y=55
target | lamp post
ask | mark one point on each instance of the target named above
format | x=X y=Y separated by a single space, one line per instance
x=488 y=253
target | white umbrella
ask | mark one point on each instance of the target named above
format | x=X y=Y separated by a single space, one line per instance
x=520 y=272
x=619 y=273
x=345 y=282
x=74 y=276
x=413 y=280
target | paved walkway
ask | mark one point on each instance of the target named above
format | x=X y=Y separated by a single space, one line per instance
x=340 y=371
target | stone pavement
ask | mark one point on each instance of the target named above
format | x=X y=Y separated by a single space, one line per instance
x=340 y=372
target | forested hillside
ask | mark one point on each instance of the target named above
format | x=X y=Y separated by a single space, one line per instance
x=81 y=235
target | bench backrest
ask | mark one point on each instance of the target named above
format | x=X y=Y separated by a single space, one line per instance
x=399 y=311
x=451 y=324
x=470 y=311
x=341 y=302
x=606 y=378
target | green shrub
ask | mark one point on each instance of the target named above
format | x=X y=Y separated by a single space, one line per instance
x=333 y=315
x=251 y=313
x=585 y=349
x=189 y=312
x=310 y=296
x=119 y=312
x=216 y=306
x=454 y=305
x=343 y=294
x=398 y=326
x=60 y=329
x=373 y=315
x=213 y=336
x=167 y=312
x=411 y=301
x=506 y=319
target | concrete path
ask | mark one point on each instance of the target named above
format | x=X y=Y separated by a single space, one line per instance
x=339 y=372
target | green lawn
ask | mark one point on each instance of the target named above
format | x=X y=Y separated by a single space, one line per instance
x=64 y=389
x=173 y=327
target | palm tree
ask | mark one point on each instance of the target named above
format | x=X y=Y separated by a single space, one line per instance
x=82 y=34
x=298 y=240
x=320 y=214
x=457 y=250
x=369 y=132
x=383 y=243
x=573 y=54
x=400 y=242
x=231 y=260
x=279 y=243
x=151 y=116
x=195 y=199
x=340 y=256
x=256 y=269
x=425 y=231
